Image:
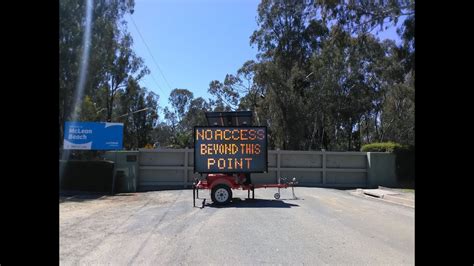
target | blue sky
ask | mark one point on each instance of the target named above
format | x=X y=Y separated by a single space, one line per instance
x=195 y=41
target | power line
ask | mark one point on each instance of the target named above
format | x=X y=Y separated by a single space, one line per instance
x=149 y=51
x=157 y=84
x=153 y=77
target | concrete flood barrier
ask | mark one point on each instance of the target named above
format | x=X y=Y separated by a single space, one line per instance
x=148 y=169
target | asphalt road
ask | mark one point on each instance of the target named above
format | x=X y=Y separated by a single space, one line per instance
x=323 y=226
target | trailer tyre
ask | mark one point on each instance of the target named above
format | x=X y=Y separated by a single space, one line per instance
x=221 y=194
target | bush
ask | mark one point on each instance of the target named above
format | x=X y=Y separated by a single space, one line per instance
x=382 y=147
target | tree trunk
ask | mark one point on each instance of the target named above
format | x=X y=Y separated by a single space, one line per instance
x=367 y=127
x=376 y=125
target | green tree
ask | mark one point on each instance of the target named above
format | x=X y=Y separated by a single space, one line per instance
x=122 y=67
x=196 y=114
x=138 y=124
x=180 y=101
x=392 y=116
x=284 y=42
x=364 y=16
x=112 y=62
x=327 y=81
x=238 y=92
x=162 y=135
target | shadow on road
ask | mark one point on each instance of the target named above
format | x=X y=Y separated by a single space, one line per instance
x=80 y=196
x=87 y=196
x=253 y=203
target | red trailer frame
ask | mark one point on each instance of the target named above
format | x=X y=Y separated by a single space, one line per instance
x=221 y=186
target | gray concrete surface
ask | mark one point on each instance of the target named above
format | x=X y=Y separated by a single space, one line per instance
x=379 y=193
x=396 y=196
x=381 y=169
x=323 y=226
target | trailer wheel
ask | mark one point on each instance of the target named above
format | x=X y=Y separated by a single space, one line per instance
x=221 y=194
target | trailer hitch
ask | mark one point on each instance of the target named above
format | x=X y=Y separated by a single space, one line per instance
x=196 y=193
x=292 y=184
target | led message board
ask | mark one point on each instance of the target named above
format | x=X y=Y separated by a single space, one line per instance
x=230 y=149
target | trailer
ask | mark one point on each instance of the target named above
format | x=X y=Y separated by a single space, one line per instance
x=227 y=152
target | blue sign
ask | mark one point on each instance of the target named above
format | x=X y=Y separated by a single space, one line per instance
x=93 y=136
